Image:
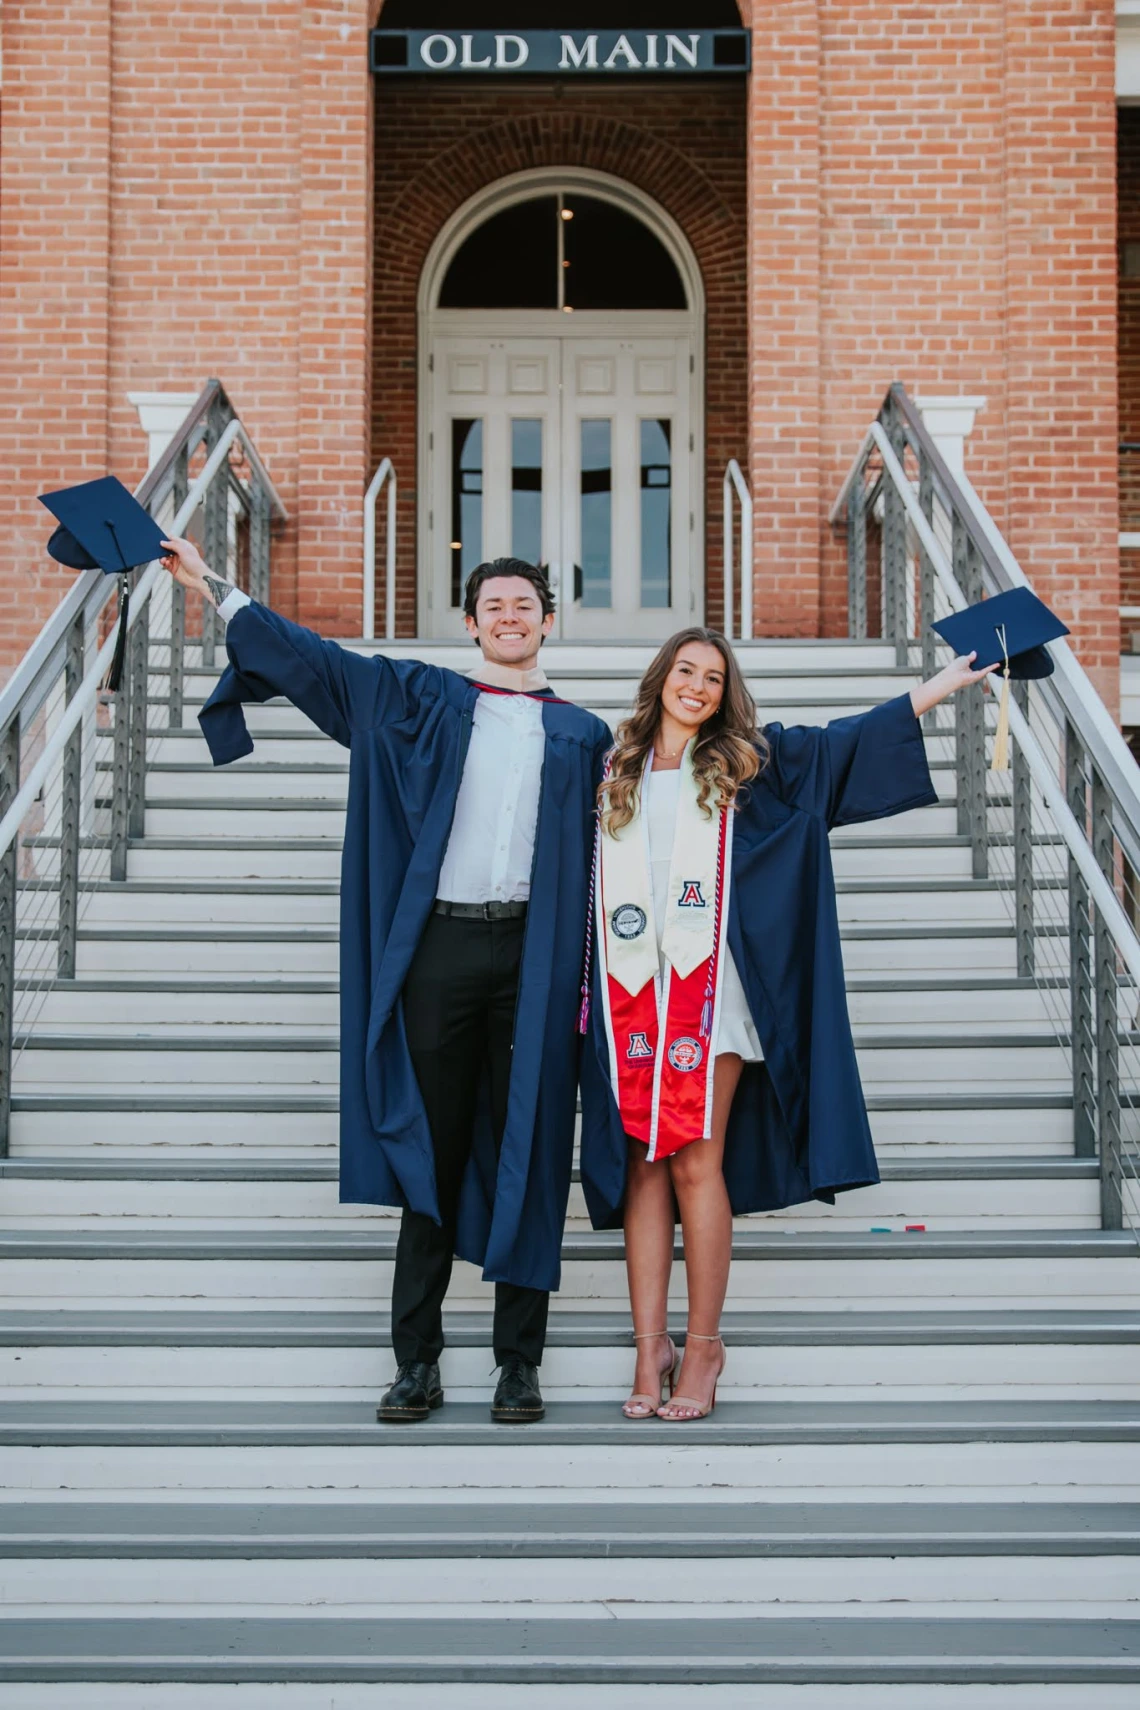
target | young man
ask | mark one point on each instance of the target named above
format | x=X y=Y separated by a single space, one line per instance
x=464 y=887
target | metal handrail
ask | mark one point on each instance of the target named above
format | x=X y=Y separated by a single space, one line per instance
x=734 y=482
x=89 y=688
x=385 y=472
x=1042 y=773
x=92 y=590
x=1066 y=835
x=70 y=806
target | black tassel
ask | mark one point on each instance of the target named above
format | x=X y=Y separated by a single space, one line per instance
x=115 y=675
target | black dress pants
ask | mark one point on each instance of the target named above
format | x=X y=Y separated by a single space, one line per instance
x=459 y=1015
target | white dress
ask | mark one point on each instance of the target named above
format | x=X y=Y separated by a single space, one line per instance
x=737 y=1031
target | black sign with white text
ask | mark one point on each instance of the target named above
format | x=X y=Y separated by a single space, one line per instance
x=559 y=53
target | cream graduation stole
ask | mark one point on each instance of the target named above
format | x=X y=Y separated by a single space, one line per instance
x=661 y=1028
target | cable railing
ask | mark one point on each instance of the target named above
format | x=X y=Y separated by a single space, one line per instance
x=73 y=759
x=1057 y=836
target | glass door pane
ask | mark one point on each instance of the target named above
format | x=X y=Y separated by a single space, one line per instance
x=656 y=512
x=526 y=488
x=595 y=503
x=466 y=501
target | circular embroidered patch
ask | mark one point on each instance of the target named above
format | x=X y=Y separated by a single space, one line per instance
x=686 y=1055
x=628 y=921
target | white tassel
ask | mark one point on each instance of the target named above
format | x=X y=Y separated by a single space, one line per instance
x=999 y=761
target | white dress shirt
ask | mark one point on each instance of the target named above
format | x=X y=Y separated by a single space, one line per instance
x=490 y=850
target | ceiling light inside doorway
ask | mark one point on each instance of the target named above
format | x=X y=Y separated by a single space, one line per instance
x=567 y=213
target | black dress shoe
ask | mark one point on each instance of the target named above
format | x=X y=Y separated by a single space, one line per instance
x=412 y=1397
x=518 y=1399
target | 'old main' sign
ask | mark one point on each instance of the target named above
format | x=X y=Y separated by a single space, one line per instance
x=574 y=53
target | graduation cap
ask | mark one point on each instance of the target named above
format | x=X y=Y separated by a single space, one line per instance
x=103 y=527
x=1009 y=630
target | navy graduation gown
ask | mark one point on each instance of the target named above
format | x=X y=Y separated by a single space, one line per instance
x=798 y=1128
x=406 y=726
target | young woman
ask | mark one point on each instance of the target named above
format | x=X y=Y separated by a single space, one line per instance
x=719 y=1073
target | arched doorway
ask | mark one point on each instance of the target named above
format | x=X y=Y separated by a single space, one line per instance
x=561 y=319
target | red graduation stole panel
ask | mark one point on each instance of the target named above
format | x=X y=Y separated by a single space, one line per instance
x=661 y=1026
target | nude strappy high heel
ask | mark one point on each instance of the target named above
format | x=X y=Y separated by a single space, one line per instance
x=667 y=1375
x=698 y=1412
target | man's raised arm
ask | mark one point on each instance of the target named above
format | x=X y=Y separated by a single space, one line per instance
x=341 y=691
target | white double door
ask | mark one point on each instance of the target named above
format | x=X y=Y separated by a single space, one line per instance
x=574 y=452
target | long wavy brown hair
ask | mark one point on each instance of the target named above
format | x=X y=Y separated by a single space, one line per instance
x=729 y=750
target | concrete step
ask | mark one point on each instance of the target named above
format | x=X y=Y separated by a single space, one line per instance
x=190 y=814
x=299 y=741
x=868 y=854
x=760 y=656
x=815 y=699
x=229 y=1122
x=138 y=1353
x=949 y=1199
x=244 y=1056
x=767 y=1555
x=291 y=1269
x=545 y=1530
x=148 y=902
x=568 y=1424
x=230 y=949
x=590 y=1649
x=594 y=1696
x=901 y=1005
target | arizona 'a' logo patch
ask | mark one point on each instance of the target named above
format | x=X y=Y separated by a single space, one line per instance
x=691 y=895
x=639 y=1046
x=686 y=1055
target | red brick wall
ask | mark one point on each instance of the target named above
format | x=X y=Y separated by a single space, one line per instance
x=1062 y=511
x=931 y=198
x=54 y=310
x=204 y=212
x=784 y=301
x=437 y=144
x=1128 y=322
x=966 y=243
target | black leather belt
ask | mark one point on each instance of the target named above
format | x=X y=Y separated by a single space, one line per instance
x=481 y=911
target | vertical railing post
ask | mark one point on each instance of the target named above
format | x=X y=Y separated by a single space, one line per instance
x=70 y=811
x=9 y=784
x=958 y=551
x=857 y=561
x=1080 y=962
x=138 y=656
x=120 y=777
x=215 y=531
x=176 y=685
x=970 y=719
x=976 y=726
x=1022 y=785
x=1107 y=1019
x=894 y=551
x=259 y=515
x=926 y=586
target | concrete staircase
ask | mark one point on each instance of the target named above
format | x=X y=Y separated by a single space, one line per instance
x=920 y=1484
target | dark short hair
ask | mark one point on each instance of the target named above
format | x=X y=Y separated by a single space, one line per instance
x=531 y=573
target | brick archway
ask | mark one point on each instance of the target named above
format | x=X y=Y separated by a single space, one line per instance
x=569 y=130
